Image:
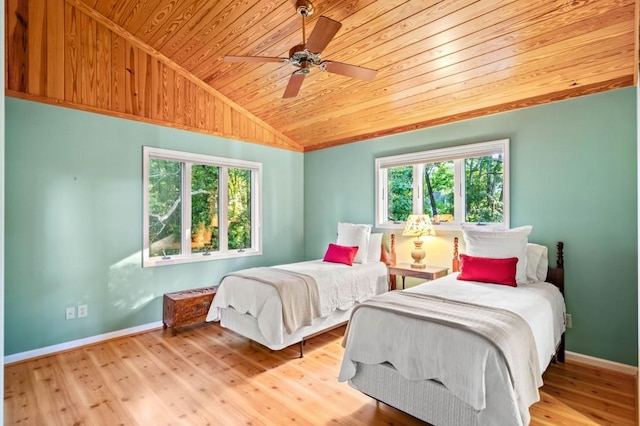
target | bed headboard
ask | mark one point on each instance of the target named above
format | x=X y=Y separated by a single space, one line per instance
x=554 y=275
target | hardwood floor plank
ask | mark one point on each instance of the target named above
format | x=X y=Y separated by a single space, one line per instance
x=191 y=409
x=207 y=375
x=55 y=393
x=96 y=394
x=212 y=388
x=136 y=396
x=20 y=398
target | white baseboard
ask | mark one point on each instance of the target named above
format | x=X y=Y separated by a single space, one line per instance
x=22 y=356
x=602 y=363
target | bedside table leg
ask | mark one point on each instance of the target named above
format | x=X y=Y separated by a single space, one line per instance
x=164 y=325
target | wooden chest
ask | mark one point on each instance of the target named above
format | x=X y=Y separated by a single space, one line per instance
x=186 y=307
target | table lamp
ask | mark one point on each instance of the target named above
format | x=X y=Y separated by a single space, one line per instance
x=418 y=225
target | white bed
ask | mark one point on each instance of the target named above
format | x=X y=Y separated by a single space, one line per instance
x=451 y=376
x=254 y=309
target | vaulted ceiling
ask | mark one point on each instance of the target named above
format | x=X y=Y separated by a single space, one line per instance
x=437 y=61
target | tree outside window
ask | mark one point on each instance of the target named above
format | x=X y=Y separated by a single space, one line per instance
x=199 y=207
x=464 y=184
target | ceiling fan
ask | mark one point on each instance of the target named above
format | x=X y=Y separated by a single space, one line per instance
x=307 y=55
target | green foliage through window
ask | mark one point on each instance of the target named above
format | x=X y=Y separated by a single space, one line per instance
x=463 y=184
x=183 y=212
x=165 y=218
x=239 y=209
x=484 y=188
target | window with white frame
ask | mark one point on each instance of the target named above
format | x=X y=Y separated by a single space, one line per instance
x=199 y=207
x=462 y=184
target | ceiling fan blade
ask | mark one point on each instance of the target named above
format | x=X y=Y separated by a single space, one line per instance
x=349 y=70
x=322 y=34
x=231 y=58
x=295 y=82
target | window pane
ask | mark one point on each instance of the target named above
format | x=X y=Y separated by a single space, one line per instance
x=204 y=208
x=484 y=177
x=165 y=216
x=239 y=232
x=438 y=187
x=399 y=193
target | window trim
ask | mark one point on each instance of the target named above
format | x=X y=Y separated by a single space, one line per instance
x=223 y=197
x=417 y=159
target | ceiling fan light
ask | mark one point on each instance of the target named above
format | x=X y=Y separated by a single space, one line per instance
x=305 y=67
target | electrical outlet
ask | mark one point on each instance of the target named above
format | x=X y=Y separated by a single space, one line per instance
x=83 y=311
x=568 y=320
x=70 y=313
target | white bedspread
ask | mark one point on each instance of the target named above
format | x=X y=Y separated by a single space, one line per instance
x=340 y=287
x=466 y=364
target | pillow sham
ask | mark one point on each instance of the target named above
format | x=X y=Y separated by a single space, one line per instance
x=375 y=247
x=537 y=262
x=500 y=245
x=340 y=254
x=351 y=234
x=488 y=270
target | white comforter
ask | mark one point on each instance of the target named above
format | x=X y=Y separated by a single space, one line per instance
x=459 y=360
x=340 y=287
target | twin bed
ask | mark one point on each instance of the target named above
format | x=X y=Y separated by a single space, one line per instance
x=431 y=350
x=254 y=309
x=251 y=303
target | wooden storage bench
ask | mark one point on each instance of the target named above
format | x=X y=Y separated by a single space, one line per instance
x=186 y=307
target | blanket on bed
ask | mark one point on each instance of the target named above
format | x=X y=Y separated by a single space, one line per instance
x=507 y=331
x=298 y=293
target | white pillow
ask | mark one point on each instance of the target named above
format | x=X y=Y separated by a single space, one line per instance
x=500 y=245
x=375 y=247
x=537 y=262
x=351 y=234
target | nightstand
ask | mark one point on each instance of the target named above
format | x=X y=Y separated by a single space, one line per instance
x=427 y=273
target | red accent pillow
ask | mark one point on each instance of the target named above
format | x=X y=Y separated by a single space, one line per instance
x=488 y=270
x=340 y=254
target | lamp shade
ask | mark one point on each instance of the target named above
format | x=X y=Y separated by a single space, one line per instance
x=418 y=225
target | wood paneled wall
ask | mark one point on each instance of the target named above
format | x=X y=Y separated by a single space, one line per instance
x=65 y=53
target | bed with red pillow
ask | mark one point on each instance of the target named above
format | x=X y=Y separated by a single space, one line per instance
x=443 y=351
x=352 y=270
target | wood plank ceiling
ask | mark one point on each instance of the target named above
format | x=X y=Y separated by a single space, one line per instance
x=438 y=61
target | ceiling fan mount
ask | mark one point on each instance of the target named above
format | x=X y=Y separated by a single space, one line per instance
x=304 y=8
x=306 y=55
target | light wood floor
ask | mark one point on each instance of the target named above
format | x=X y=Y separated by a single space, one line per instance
x=210 y=376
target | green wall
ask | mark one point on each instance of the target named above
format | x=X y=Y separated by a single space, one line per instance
x=74 y=222
x=573 y=177
x=73 y=212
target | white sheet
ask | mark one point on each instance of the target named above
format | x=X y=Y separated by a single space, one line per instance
x=461 y=361
x=340 y=287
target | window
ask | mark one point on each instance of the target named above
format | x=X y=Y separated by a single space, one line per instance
x=463 y=184
x=198 y=207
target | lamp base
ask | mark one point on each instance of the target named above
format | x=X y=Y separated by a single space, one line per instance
x=417 y=254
